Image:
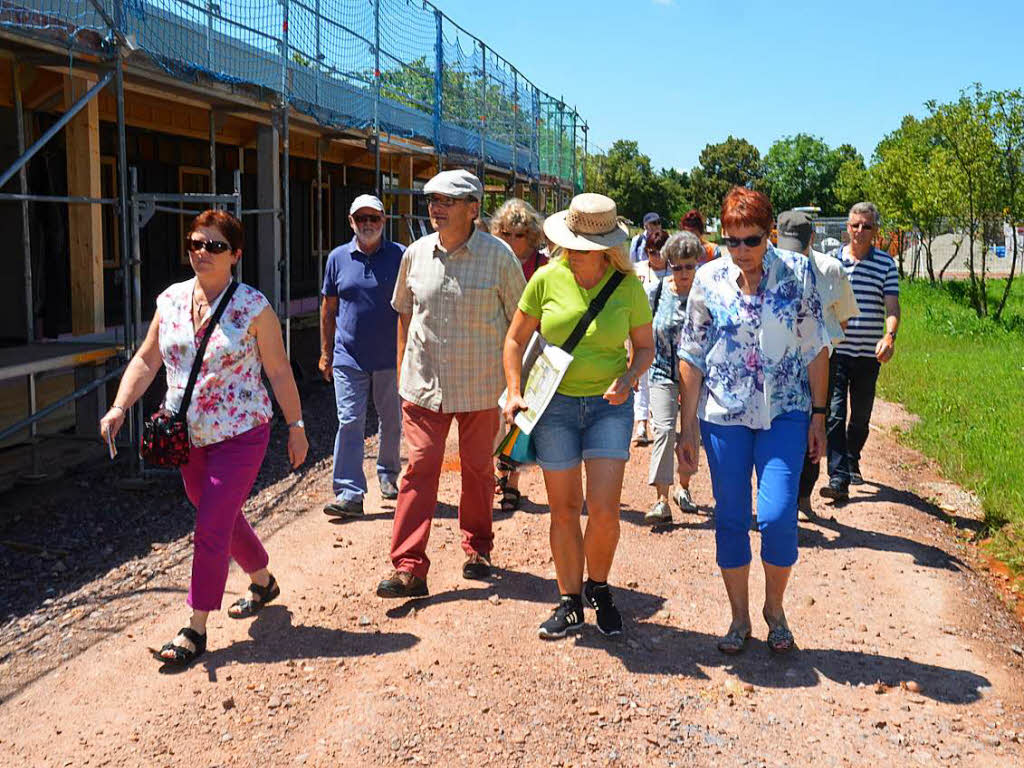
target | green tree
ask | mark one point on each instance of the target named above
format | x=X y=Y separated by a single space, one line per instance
x=964 y=128
x=733 y=162
x=626 y=176
x=803 y=170
x=1007 y=116
x=675 y=194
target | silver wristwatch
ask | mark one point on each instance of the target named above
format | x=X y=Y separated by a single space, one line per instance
x=300 y=424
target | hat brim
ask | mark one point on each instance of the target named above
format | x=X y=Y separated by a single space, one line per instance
x=791 y=244
x=556 y=230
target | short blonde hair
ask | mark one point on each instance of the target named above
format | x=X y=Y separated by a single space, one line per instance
x=682 y=246
x=519 y=214
x=617 y=256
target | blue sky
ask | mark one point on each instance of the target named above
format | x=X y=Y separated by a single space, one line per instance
x=677 y=75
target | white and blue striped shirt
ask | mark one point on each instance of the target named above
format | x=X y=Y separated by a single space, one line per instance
x=873 y=278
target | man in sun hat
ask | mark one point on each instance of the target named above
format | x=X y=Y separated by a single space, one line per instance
x=638 y=247
x=358 y=328
x=838 y=304
x=456 y=293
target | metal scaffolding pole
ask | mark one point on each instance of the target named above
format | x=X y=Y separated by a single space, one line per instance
x=483 y=111
x=26 y=232
x=319 y=213
x=286 y=183
x=574 y=177
x=438 y=87
x=376 y=97
x=213 y=152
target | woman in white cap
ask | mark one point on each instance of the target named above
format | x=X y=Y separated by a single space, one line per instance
x=590 y=418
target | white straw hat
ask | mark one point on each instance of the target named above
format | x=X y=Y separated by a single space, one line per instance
x=591 y=223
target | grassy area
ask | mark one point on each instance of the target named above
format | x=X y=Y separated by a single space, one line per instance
x=964 y=377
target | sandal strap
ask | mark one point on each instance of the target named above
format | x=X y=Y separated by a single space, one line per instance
x=263 y=592
x=192 y=636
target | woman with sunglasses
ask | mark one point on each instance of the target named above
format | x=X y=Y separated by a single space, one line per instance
x=651 y=271
x=753 y=367
x=228 y=417
x=518 y=224
x=683 y=252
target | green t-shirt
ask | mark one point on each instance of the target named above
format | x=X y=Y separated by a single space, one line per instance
x=554 y=296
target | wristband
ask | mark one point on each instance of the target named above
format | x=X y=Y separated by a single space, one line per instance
x=823 y=410
x=121 y=409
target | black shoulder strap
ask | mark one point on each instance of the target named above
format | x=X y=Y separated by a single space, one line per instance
x=657 y=293
x=596 y=305
x=186 y=399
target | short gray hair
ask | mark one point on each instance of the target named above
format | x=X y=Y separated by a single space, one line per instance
x=865 y=208
x=681 y=246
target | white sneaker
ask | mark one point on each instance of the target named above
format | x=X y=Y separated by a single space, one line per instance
x=659 y=513
x=683 y=500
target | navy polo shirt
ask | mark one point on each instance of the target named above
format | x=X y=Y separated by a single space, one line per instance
x=366 y=325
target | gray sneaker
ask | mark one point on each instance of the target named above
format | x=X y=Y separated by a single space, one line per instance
x=344 y=508
x=659 y=513
x=683 y=500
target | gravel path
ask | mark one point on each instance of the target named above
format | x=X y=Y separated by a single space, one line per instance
x=907 y=651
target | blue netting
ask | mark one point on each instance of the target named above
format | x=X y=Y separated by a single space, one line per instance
x=438 y=83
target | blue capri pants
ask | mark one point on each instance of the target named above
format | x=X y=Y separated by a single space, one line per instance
x=777 y=454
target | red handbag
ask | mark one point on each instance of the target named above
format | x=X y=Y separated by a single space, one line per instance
x=165 y=438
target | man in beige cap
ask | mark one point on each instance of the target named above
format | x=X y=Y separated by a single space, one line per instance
x=456 y=294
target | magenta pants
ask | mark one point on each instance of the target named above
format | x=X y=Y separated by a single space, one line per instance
x=218 y=479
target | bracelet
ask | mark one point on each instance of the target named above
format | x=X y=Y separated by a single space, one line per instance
x=822 y=409
x=120 y=408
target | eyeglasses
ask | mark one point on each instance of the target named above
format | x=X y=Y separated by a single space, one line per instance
x=210 y=246
x=683 y=267
x=859 y=227
x=734 y=242
x=653 y=251
x=511 y=235
x=442 y=202
x=363 y=218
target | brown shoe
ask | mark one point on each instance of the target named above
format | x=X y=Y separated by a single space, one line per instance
x=402 y=584
x=477 y=567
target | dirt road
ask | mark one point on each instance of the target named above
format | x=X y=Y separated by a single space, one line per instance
x=906 y=652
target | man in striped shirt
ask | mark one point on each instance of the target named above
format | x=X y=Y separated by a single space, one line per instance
x=870 y=341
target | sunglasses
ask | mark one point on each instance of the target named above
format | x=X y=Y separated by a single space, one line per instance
x=735 y=242
x=859 y=227
x=513 y=235
x=654 y=251
x=442 y=202
x=210 y=246
x=683 y=267
x=364 y=218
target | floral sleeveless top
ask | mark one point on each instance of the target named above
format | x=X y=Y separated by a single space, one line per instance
x=229 y=397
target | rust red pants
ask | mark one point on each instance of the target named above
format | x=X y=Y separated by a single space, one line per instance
x=425 y=434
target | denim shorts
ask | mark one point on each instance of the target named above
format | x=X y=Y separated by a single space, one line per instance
x=573 y=429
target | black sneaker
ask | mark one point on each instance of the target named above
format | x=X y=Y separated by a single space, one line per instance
x=477 y=567
x=856 y=478
x=566 y=619
x=351 y=508
x=599 y=597
x=836 y=490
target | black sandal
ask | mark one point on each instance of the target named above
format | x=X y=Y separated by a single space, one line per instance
x=510 y=498
x=183 y=657
x=243 y=607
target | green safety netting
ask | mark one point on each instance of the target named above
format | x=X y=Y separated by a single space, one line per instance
x=437 y=82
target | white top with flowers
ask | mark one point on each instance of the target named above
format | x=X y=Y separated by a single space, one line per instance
x=229 y=397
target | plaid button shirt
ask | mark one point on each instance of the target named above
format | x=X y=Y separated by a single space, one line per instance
x=461 y=304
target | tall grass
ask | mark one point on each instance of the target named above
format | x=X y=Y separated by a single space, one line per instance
x=964 y=376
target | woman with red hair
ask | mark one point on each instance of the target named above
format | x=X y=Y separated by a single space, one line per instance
x=753 y=368
x=693 y=221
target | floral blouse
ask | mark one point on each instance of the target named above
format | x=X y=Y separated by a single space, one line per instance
x=229 y=397
x=668 y=320
x=753 y=350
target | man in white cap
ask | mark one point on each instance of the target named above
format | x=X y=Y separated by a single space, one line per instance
x=358 y=329
x=456 y=294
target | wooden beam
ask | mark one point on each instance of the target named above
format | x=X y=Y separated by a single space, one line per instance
x=85 y=222
x=405 y=175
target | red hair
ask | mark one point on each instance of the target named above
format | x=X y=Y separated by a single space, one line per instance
x=744 y=207
x=228 y=225
x=692 y=221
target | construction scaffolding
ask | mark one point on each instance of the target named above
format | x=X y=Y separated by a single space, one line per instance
x=385 y=72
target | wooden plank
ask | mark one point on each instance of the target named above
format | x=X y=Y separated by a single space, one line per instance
x=85 y=222
x=404 y=201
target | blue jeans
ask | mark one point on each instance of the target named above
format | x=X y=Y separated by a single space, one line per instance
x=351 y=390
x=573 y=429
x=777 y=454
x=852 y=378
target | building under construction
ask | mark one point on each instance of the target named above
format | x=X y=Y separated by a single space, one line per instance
x=119 y=119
